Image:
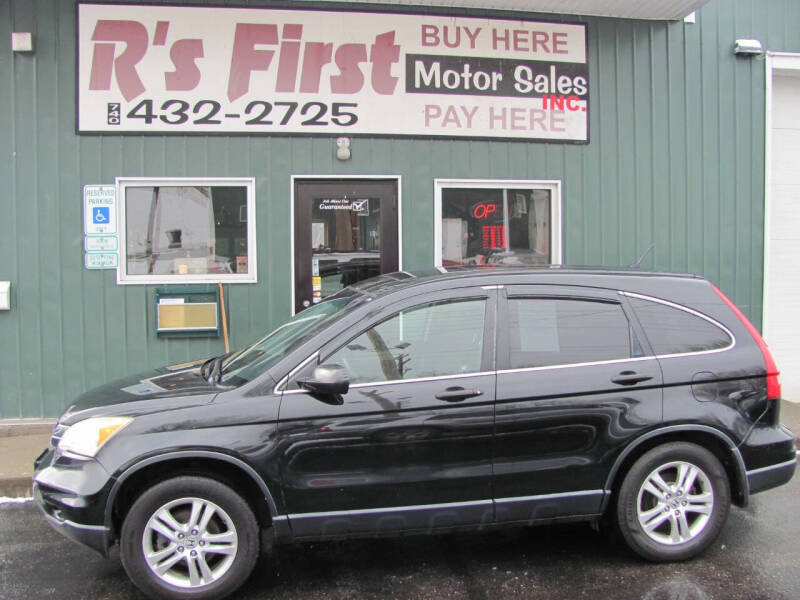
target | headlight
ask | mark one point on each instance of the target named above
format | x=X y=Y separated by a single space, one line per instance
x=87 y=437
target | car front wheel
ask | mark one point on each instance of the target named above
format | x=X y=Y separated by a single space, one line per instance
x=189 y=538
x=673 y=502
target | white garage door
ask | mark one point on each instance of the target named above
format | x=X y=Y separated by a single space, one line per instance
x=782 y=277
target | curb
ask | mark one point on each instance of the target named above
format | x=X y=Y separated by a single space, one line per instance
x=20 y=427
x=15 y=487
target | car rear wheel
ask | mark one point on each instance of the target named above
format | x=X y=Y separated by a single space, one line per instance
x=189 y=538
x=673 y=502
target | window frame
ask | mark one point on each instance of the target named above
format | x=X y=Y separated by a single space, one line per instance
x=551 y=185
x=564 y=292
x=123 y=278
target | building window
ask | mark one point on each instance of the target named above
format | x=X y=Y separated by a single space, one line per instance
x=186 y=230
x=497 y=222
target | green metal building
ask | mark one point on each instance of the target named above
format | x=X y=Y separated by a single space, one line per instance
x=154 y=151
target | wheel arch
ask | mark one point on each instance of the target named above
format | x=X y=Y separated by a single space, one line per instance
x=224 y=468
x=707 y=437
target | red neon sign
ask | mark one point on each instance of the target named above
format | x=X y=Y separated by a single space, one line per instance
x=482 y=211
x=493 y=236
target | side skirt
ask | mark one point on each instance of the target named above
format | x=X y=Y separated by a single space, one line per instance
x=433 y=518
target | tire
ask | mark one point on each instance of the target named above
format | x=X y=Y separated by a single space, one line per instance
x=192 y=564
x=663 y=521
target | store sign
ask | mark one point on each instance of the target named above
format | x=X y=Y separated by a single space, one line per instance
x=179 y=69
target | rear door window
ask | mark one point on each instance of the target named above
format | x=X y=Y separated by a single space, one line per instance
x=557 y=331
x=672 y=330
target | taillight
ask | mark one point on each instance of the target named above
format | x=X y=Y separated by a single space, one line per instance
x=773 y=383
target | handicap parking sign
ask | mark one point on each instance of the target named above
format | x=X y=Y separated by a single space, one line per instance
x=99 y=208
x=100 y=215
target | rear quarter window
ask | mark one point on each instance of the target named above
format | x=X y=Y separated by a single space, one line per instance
x=672 y=330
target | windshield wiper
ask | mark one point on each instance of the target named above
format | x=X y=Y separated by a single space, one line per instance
x=211 y=370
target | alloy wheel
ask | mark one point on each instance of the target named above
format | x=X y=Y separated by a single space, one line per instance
x=189 y=542
x=675 y=503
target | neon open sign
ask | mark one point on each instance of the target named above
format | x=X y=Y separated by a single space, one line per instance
x=484 y=210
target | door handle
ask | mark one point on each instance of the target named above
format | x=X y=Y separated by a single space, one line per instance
x=630 y=378
x=457 y=394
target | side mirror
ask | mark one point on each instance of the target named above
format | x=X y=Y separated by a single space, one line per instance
x=327 y=379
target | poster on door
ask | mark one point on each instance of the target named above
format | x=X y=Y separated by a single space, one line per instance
x=199 y=69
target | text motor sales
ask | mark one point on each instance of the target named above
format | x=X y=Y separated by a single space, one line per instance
x=243 y=70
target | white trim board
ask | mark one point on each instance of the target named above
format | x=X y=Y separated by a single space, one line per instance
x=552 y=185
x=781 y=63
x=311 y=177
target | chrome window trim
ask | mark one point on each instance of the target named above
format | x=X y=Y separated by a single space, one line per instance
x=393 y=381
x=583 y=364
x=413 y=507
x=692 y=312
x=283 y=382
x=771 y=467
x=374 y=383
x=419 y=379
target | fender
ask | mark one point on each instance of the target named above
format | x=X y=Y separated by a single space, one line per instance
x=188 y=454
x=741 y=473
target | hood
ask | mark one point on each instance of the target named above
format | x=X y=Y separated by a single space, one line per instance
x=166 y=388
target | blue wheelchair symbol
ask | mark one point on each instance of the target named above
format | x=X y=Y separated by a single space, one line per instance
x=100 y=215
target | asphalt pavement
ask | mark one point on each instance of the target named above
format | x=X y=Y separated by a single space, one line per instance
x=755 y=557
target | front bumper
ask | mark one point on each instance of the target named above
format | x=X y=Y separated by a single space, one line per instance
x=72 y=496
x=96 y=537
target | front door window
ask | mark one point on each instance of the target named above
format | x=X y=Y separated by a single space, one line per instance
x=425 y=341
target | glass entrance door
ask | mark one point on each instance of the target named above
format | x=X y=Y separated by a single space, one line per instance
x=344 y=231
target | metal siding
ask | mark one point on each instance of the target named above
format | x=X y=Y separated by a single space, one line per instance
x=675 y=158
x=9 y=328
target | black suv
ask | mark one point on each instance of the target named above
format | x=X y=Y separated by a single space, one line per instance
x=427 y=402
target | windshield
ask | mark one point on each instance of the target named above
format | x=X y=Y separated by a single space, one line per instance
x=247 y=363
